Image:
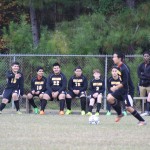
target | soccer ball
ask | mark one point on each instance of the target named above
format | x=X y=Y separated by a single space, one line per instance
x=94 y=119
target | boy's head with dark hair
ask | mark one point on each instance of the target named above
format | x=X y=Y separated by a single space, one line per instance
x=56 y=64
x=15 y=63
x=118 y=58
x=146 y=56
x=39 y=68
x=78 y=67
x=78 y=71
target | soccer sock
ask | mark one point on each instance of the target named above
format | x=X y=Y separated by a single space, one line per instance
x=90 y=108
x=16 y=102
x=137 y=115
x=98 y=107
x=31 y=101
x=148 y=106
x=43 y=104
x=62 y=104
x=68 y=103
x=117 y=108
x=2 y=106
x=83 y=103
x=108 y=107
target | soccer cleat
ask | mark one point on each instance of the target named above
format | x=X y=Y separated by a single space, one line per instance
x=42 y=112
x=89 y=114
x=124 y=113
x=97 y=114
x=118 y=118
x=68 y=112
x=61 y=112
x=108 y=113
x=19 y=112
x=142 y=123
x=36 y=110
x=82 y=112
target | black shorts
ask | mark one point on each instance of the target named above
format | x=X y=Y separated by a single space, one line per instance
x=36 y=94
x=50 y=94
x=81 y=94
x=121 y=95
x=7 y=94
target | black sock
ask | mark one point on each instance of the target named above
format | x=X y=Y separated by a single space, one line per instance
x=98 y=107
x=2 y=106
x=62 y=104
x=83 y=103
x=117 y=107
x=148 y=106
x=31 y=101
x=137 y=115
x=16 y=102
x=108 y=107
x=43 y=104
x=90 y=108
x=68 y=103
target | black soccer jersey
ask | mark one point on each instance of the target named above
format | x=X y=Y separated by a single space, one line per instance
x=78 y=83
x=56 y=82
x=112 y=82
x=38 y=84
x=13 y=83
x=97 y=86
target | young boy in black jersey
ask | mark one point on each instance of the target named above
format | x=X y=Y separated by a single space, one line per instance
x=38 y=87
x=14 y=87
x=56 y=87
x=120 y=92
x=97 y=88
x=77 y=86
x=112 y=81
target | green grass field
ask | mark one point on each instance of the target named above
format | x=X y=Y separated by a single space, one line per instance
x=54 y=132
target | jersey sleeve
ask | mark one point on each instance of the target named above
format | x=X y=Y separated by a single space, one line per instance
x=64 y=84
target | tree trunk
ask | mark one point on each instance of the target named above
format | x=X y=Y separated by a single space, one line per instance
x=34 y=25
x=130 y=3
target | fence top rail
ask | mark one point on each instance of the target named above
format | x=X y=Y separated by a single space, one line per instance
x=58 y=55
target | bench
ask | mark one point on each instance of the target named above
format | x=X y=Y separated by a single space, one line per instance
x=28 y=106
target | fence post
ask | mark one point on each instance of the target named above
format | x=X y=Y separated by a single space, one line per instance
x=105 y=93
x=12 y=102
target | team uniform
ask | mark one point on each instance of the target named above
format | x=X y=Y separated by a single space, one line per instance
x=56 y=83
x=13 y=85
x=97 y=86
x=77 y=83
x=81 y=84
x=38 y=85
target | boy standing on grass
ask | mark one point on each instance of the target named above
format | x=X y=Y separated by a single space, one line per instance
x=14 y=87
x=77 y=86
x=56 y=89
x=120 y=92
x=97 y=88
x=38 y=87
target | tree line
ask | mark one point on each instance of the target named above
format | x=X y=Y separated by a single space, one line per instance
x=74 y=26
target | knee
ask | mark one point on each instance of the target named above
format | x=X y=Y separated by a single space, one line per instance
x=5 y=101
x=68 y=96
x=29 y=96
x=61 y=96
x=15 y=96
x=46 y=97
x=109 y=98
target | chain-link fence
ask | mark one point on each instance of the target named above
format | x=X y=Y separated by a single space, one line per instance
x=29 y=63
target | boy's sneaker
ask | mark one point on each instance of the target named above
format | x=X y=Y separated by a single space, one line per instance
x=19 y=112
x=145 y=114
x=108 y=113
x=118 y=118
x=61 y=112
x=82 y=112
x=36 y=110
x=142 y=123
x=97 y=114
x=124 y=113
x=68 y=112
x=42 y=112
x=89 y=114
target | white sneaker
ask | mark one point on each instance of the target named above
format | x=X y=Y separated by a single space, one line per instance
x=144 y=114
x=0 y=112
x=19 y=112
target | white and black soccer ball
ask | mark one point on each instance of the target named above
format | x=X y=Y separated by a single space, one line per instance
x=94 y=119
